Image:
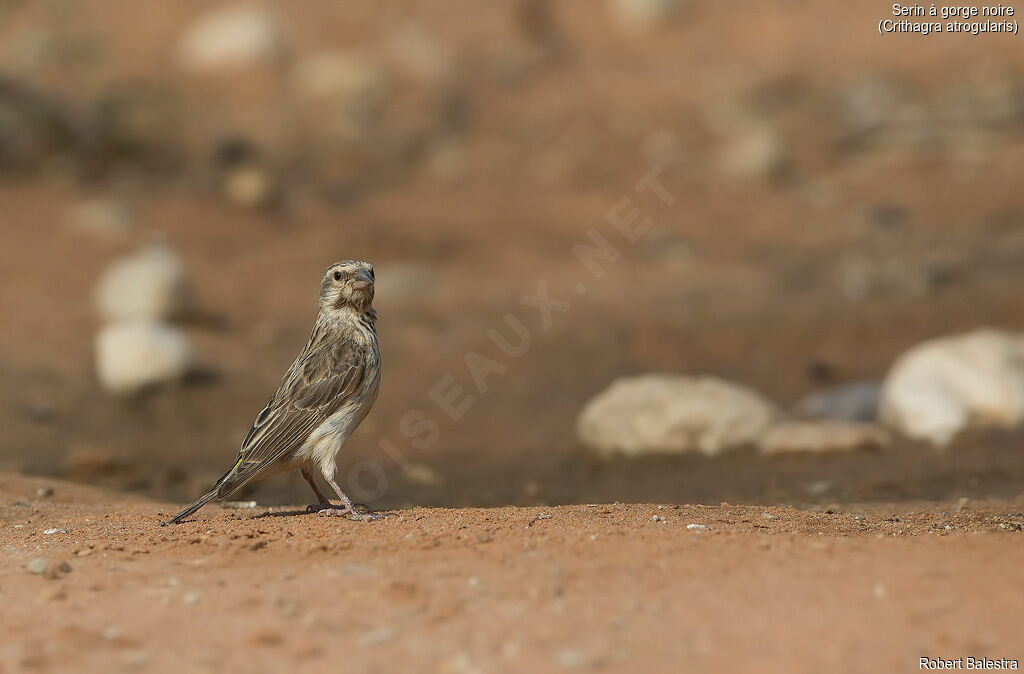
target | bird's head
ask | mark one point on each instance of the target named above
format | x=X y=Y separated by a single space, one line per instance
x=347 y=285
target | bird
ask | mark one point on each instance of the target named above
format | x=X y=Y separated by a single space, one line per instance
x=322 y=398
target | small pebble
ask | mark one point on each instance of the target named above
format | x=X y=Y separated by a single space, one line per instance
x=570 y=659
x=37 y=566
x=695 y=526
x=657 y=518
x=55 y=530
x=192 y=598
x=43 y=492
x=238 y=505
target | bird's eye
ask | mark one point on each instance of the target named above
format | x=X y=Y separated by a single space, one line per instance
x=337 y=276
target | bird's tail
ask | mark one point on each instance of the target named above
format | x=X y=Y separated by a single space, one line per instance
x=199 y=503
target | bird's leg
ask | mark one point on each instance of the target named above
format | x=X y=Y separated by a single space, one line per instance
x=347 y=507
x=322 y=501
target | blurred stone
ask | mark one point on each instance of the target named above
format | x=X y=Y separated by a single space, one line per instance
x=335 y=73
x=249 y=186
x=861 y=274
x=86 y=463
x=669 y=414
x=33 y=126
x=232 y=37
x=857 y=401
x=753 y=151
x=644 y=13
x=420 y=54
x=822 y=437
x=856 y=275
x=865 y=106
x=238 y=505
x=946 y=385
x=27 y=50
x=350 y=84
x=41 y=410
x=235 y=149
x=662 y=148
x=102 y=218
x=37 y=566
x=670 y=249
x=149 y=284
x=137 y=355
x=447 y=161
x=422 y=474
x=888 y=216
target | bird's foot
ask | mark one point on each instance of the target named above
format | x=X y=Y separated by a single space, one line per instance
x=331 y=510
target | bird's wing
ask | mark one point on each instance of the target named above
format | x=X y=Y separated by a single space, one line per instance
x=318 y=383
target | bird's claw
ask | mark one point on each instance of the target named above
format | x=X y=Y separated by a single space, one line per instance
x=331 y=510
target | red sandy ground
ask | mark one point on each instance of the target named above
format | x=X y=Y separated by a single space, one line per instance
x=586 y=588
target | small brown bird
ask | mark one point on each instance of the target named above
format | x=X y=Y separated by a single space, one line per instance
x=325 y=394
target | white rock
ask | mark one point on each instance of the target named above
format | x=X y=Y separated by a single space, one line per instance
x=148 y=284
x=856 y=401
x=137 y=355
x=419 y=473
x=644 y=13
x=102 y=218
x=755 y=151
x=822 y=437
x=231 y=37
x=352 y=87
x=943 y=386
x=340 y=74
x=249 y=186
x=668 y=414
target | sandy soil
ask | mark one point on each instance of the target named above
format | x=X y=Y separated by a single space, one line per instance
x=742 y=279
x=588 y=588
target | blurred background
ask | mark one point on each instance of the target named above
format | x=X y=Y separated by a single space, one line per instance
x=174 y=178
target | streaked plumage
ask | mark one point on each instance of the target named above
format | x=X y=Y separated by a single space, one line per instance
x=325 y=394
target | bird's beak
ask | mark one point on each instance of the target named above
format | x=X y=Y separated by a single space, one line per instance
x=363 y=280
